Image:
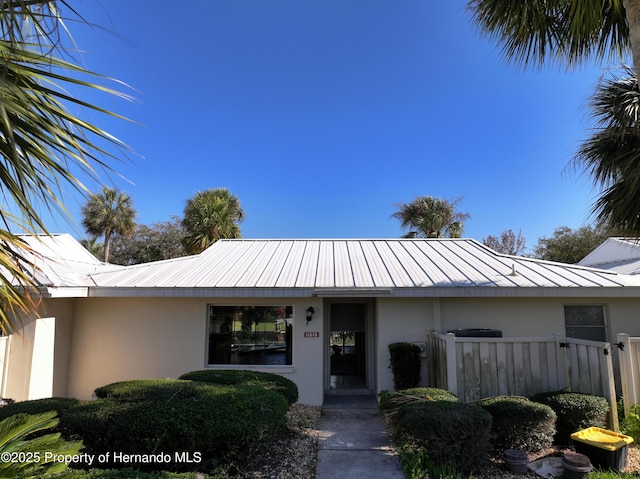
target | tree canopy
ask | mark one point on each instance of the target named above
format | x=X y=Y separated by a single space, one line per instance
x=209 y=216
x=507 y=243
x=109 y=213
x=570 y=246
x=46 y=142
x=575 y=32
x=611 y=154
x=149 y=243
x=533 y=32
x=430 y=217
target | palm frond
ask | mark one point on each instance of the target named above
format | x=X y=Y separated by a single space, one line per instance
x=533 y=32
x=611 y=155
x=44 y=148
x=15 y=437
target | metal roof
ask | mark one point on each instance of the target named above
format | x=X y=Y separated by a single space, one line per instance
x=616 y=254
x=400 y=267
x=58 y=260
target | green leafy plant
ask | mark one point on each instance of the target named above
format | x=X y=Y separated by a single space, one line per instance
x=392 y=402
x=452 y=434
x=24 y=456
x=273 y=382
x=405 y=365
x=575 y=411
x=630 y=425
x=518 y=423
x=37 y=406
x=221 y=422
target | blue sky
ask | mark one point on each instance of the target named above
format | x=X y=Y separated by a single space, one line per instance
x=321 y=116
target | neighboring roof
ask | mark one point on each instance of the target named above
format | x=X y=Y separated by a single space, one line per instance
x=365 y=267
x=59 y=261
x=616 y=254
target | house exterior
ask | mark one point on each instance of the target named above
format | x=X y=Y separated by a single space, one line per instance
x=320 y=312
x=616 y=254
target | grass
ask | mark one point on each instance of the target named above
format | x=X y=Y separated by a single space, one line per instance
x=610 y=475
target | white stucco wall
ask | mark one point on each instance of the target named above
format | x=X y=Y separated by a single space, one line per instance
x=30 y=361
x=410 y=319
x=62 y=310
x=535 y=316
x=103 y=340
x=406 y=319
x=513 y=316
x=122 y=339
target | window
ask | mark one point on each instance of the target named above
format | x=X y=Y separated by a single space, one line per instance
x=585 y=322
x=258 y=335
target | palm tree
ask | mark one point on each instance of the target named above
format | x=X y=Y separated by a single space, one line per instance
x=430 y=217
x=109 y=213
x=575 y=31
x=611 y=155
x=44 y=148
x=26 y=432
x=571 y=31
x=209 y=216
x=93 y=246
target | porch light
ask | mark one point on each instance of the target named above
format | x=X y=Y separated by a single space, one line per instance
x=309 y=312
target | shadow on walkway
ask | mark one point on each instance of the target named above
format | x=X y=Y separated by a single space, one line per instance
x=353 y=440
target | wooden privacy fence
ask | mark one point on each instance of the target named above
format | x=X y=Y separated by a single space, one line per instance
x=475 y=368
x=629 y=357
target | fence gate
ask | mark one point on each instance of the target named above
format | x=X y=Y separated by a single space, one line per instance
x=629 y=358
x=475 y=368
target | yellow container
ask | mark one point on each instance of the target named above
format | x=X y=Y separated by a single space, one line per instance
x=602 y=438
x=606 y=449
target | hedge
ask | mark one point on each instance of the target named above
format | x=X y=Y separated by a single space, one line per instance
x=177 y=416
x=518 y=423
x=37 y=406
x=444 y=434
x=405 y=365
x=575 y=411
x=273 y=382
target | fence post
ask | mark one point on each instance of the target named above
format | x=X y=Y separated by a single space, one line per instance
x=627 y=372
x=452 y=373
x=606 y=368
x=564 y=379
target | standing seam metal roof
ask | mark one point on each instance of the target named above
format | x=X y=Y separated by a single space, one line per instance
x=353 y=264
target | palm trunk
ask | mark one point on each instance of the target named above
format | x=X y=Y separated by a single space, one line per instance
x=632 y=9
x=107 y=244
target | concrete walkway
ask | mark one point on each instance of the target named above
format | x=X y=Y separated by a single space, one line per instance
x=353 y=441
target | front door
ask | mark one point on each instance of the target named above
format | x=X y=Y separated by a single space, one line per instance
x=348 y=346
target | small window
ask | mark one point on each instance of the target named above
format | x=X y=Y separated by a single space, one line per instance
x=585 y=322
x=256 y=335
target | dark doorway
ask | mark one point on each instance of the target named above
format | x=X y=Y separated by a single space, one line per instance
x=348 y=346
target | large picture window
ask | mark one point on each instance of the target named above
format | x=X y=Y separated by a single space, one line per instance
x=258 y=335
x=585 y=322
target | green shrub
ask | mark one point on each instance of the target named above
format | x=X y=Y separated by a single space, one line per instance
x=444 y=434
x=134 y=390
x=575 y=411
x=34 y=457
x=178 y=416
x=431 y=394
x=630 y=424
x=405 y=365
x=392 y=402
x=37 y=406
x=389 y=400
x=518 y=423
x=274 y=382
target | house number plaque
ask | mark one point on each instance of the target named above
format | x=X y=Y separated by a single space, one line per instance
x=314 y=334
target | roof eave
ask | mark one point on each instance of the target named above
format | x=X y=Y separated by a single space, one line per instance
x=417 y=292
